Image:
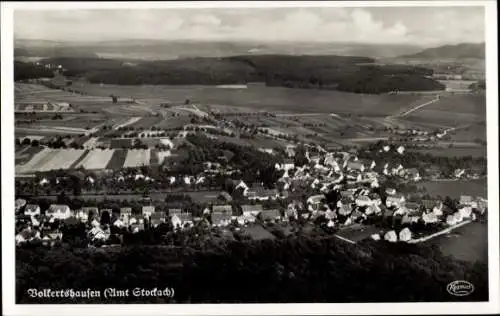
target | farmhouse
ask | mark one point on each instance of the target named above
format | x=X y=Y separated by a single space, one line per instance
x=220 y=219
x=315 y=202
x=32 y=210
x=395 y=200
x=157 y=218
x=270 y=215
x=413 y=174
x=147 y=210
x=19 y=203
x=355 y=166
x=58 y=211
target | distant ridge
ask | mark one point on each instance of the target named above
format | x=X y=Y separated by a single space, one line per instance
x=463 y=50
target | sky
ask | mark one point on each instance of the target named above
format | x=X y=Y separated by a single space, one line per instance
x=429 y=26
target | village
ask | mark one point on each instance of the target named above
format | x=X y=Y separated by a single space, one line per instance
x=344 y=195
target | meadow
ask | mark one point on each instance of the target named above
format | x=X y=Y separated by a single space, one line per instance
x=453 y=110
x=261 y=98
x=456 y=188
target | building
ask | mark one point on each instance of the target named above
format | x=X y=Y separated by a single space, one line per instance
x=395 y=200
x=226 y=209
x=315 y=202
x=19 y=203
x=271 y=215
x=58 y=211
x=355 y=166
x=148 y=210
x=32 y=210
x=413 y=174
x=157 y=218
x=220 y=219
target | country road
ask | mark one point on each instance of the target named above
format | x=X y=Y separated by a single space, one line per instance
x=419 y=107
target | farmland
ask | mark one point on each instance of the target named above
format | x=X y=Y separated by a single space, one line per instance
x=137 y=158
x=455 y=188
x=468 y=243
x=261 y=98
x=96 y=159
x=453 y=110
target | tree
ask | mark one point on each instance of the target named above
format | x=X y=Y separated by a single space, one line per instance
x=35 y=143
x=26 y=142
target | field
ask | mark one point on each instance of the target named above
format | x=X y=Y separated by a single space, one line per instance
x=456 y=188
x=50 y=159
x=260 y=98
x=117 y=159
x=120 y=143
x=162 y=155
x=468 y=243
x=257 y=232
x=24 y=154
x=96 y=159
x=137 y=158
x=453 y=152
x=453 y=110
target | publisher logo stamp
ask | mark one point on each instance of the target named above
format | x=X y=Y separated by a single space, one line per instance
x=460 y=288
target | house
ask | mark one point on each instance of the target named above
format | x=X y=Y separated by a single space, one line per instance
x=136 y=220
x=97 y=233
x=413 y=174
x=390 y=191
x=32 y=210
x=405 y=234
x=369 y=164
x=147 y=210
x=345 y=209
x=400 y=150
x=386 y=148
x=373 y=209
x=270 y=215
x=467 y=200
x=391 y=236
x=136 y=227
x=226 y=197
x=430 y=218
x=355 y=166
x=394 y=200
x=253 y=210
x=363 y=200
x=347 y=194
x=262 y=194
x=19 y=203
x=125 y=212
x=458 y=173
x=226 y=209
x=290 y=150
x=58 y=211
x=241 y=185
x=182 y=220
x=117 y=222
x=465 y=211
x=220 y=219
x=287 y=164
x=157 y=218
x=315 y=202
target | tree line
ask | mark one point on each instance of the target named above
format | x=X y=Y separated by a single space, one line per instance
x=344 y=73
x=299 y=269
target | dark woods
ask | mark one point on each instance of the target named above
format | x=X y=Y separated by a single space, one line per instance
x=305 y=269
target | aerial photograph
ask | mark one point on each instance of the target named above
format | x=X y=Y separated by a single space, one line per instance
x=250 y=155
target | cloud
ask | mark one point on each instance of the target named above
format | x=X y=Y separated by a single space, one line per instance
x=422 y=25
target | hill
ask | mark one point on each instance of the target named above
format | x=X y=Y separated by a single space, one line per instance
x=344 y=73
x=464 y=50
x=147 y=49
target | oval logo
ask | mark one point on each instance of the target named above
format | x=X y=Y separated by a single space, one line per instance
x=460 y=288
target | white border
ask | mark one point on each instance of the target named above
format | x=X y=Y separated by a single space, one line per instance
x=8 y=268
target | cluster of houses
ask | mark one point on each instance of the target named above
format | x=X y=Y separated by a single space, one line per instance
x=354 y=181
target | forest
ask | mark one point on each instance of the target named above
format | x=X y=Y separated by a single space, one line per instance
x=299 y=269
x=344 y=73
x=24 y=71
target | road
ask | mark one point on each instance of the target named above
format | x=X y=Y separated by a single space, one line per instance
x=419 y=107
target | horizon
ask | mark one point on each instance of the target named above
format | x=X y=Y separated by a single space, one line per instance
x=363 y=26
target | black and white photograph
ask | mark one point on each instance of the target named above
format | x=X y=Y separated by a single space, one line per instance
x=241 y=157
